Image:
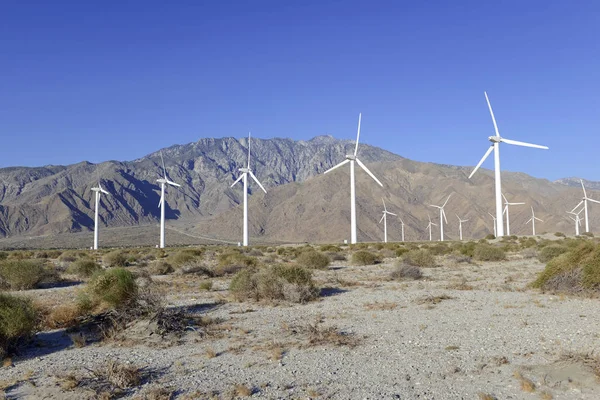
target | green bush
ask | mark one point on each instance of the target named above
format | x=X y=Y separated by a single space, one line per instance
x=83 y=268
x=439 y=249
x=3 y=255
x=490 y=237
x=401 y=251
x=18 y=320
x=588 y=234
x=232 y=262
x=115 y=259
x=313 y=259
x=330 y=247
x=419 y=258
x=22 y=274
x=181 y=258
x=486 y=252
x=560 y=234
x=363 y=257
x=549 y=252
x=574 y=271
x=116 y=287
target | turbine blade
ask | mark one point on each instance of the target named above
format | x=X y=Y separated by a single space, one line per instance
x=256 y=180
x=381 y=218
x=577 y=206
x=237 y=180
x=504 y=197
x=173 y=183
x=163 y=164
x=160 y=201
x=357 y=134
x=529 y=220
x=248 y=150
x=492 y=114
x=444 y=215
x=384 y=208
x=581 y=180
x=593 y=201
x=541 y=220
x=447 y=200
x=103 y=191
x=515 y=204
x=346 y=161
x=517 y=143
x=391 y=213
x=363 y=166
x=487 y=153
x=402 y=222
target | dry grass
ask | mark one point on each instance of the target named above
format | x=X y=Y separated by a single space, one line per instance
x=242 y=390
x=545 y=395
x=122 y=376
x=486 y=396
x=78 y=339
x=376 y=306
x=211 y=353
x=158 y=393
x=63 y=316
x=527 y=385
x=432 y=300
x=589 y=360
x=462 y=285
x=323 y=336
x=69 y=381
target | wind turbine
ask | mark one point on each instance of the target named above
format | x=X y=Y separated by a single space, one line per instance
x=163 y=182
x=506 y=204
x=494 y=218
x=585 y=206
x=429 y=226
x=495 y=147
x=402 y=222
x=244 y=178
x=352 y=158
x=460 y=221
x=98 y=191
x=384 y=219
x=532 y=220
x=577 y=220
x=442 y=215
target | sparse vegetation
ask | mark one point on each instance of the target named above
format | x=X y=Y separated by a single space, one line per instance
x=404 y=271
x=115 y=259
x=17 y=321
x=20 y=274
x=363 y=257
x=560 y=234
x=83 y=268
x=419 y=258
x=313 y=259
x=115 y=287
x=160 y=267
x=232 y=262
x=486 y=252
x=549 y=252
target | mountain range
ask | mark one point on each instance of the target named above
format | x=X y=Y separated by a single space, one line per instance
x=301 y=205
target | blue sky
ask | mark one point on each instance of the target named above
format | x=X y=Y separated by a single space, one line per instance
x=117 y=80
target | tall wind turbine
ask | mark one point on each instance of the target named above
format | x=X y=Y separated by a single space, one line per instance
x=494 y=218
x=460 y=221
x=98 y=191
x=352 y=158
x=495 y=147
x=244 y=178
x=442 y=215
x=402 y=222
x=384 y=219
x=577 y=220
x=585 y=206
x=429 y=226
x=506 y=204
x=163 y=182
x=532 y=220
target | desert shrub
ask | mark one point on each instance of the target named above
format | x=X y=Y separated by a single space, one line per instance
x=529 y=252
x=419 y=258
x=404 y=271
x=337 y=256
x=22 y=274
x=401 y=251
x=68 y=256
x=115 y=287
x=115 y=259
x=3 y=255
x=486 y=252
x=439 y=249
x=160 y=267
x=588 y=234
x=313 y=259
x=232 y=262
x=363 y=257
x=292 y=283
x=528 y=242
x=467 y=249
x=490 y=237
x=378 y=246
x=181 y=258
x=83 y=268
x=559 y=234
x=255 y=253
x=206 y=285
x=18 y=320
x=330 y=247
x=549 y=252
x=20 y=254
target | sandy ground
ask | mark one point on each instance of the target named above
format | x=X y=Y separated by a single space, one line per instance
x=465 y=330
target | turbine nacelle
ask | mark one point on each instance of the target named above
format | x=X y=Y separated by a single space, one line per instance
x=244 y=170
x=350 y=157
x=495 y=139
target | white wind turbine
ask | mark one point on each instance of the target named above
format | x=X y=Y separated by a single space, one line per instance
x=577 y=220
x=163 y=182
x=351 y=158
x=98 y=191
x=532 y=220
x=494 y=218
x=460 y=221
x=402 y=222
x=244 y=178
x=429 y=227
x=495 y=147
x=506 y=204
x=585 y=206
x=384 y=219
x=442 y=215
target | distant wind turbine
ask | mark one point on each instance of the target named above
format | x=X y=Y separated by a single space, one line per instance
x=506 y=206
x=244 y=178
x=577 y=220
x=352 y=158
x=98 y=191
x=495 y=147
x=163 y=182
x=460 y=221
x=532 y=220
x=494 y=218
x=585 y=206
x=429 y=227
x=384 y=219
x=402 y=222
x=442 y=216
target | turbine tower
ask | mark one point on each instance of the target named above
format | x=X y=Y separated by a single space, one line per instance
x=98 y=191
x=495 y=147
x=577 y=220
x=384 y=219
x=494 y=218
x=429 y=227
x=402 y=222
x=244 y=178
x=442 y=215
x=352 y=158
x=460 y=221
x=532 y=220
x=585 y=206
x=163 y=182
x=506 y=204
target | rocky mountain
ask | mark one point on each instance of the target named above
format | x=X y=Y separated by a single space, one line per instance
x=576 y=182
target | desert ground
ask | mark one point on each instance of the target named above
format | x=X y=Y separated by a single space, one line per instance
x=466 y=329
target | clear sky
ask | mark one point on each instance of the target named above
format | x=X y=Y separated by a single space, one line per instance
x=82 y=80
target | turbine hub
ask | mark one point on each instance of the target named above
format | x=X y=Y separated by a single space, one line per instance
x=350 y=157
x=495 y=139
x=244 y=170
